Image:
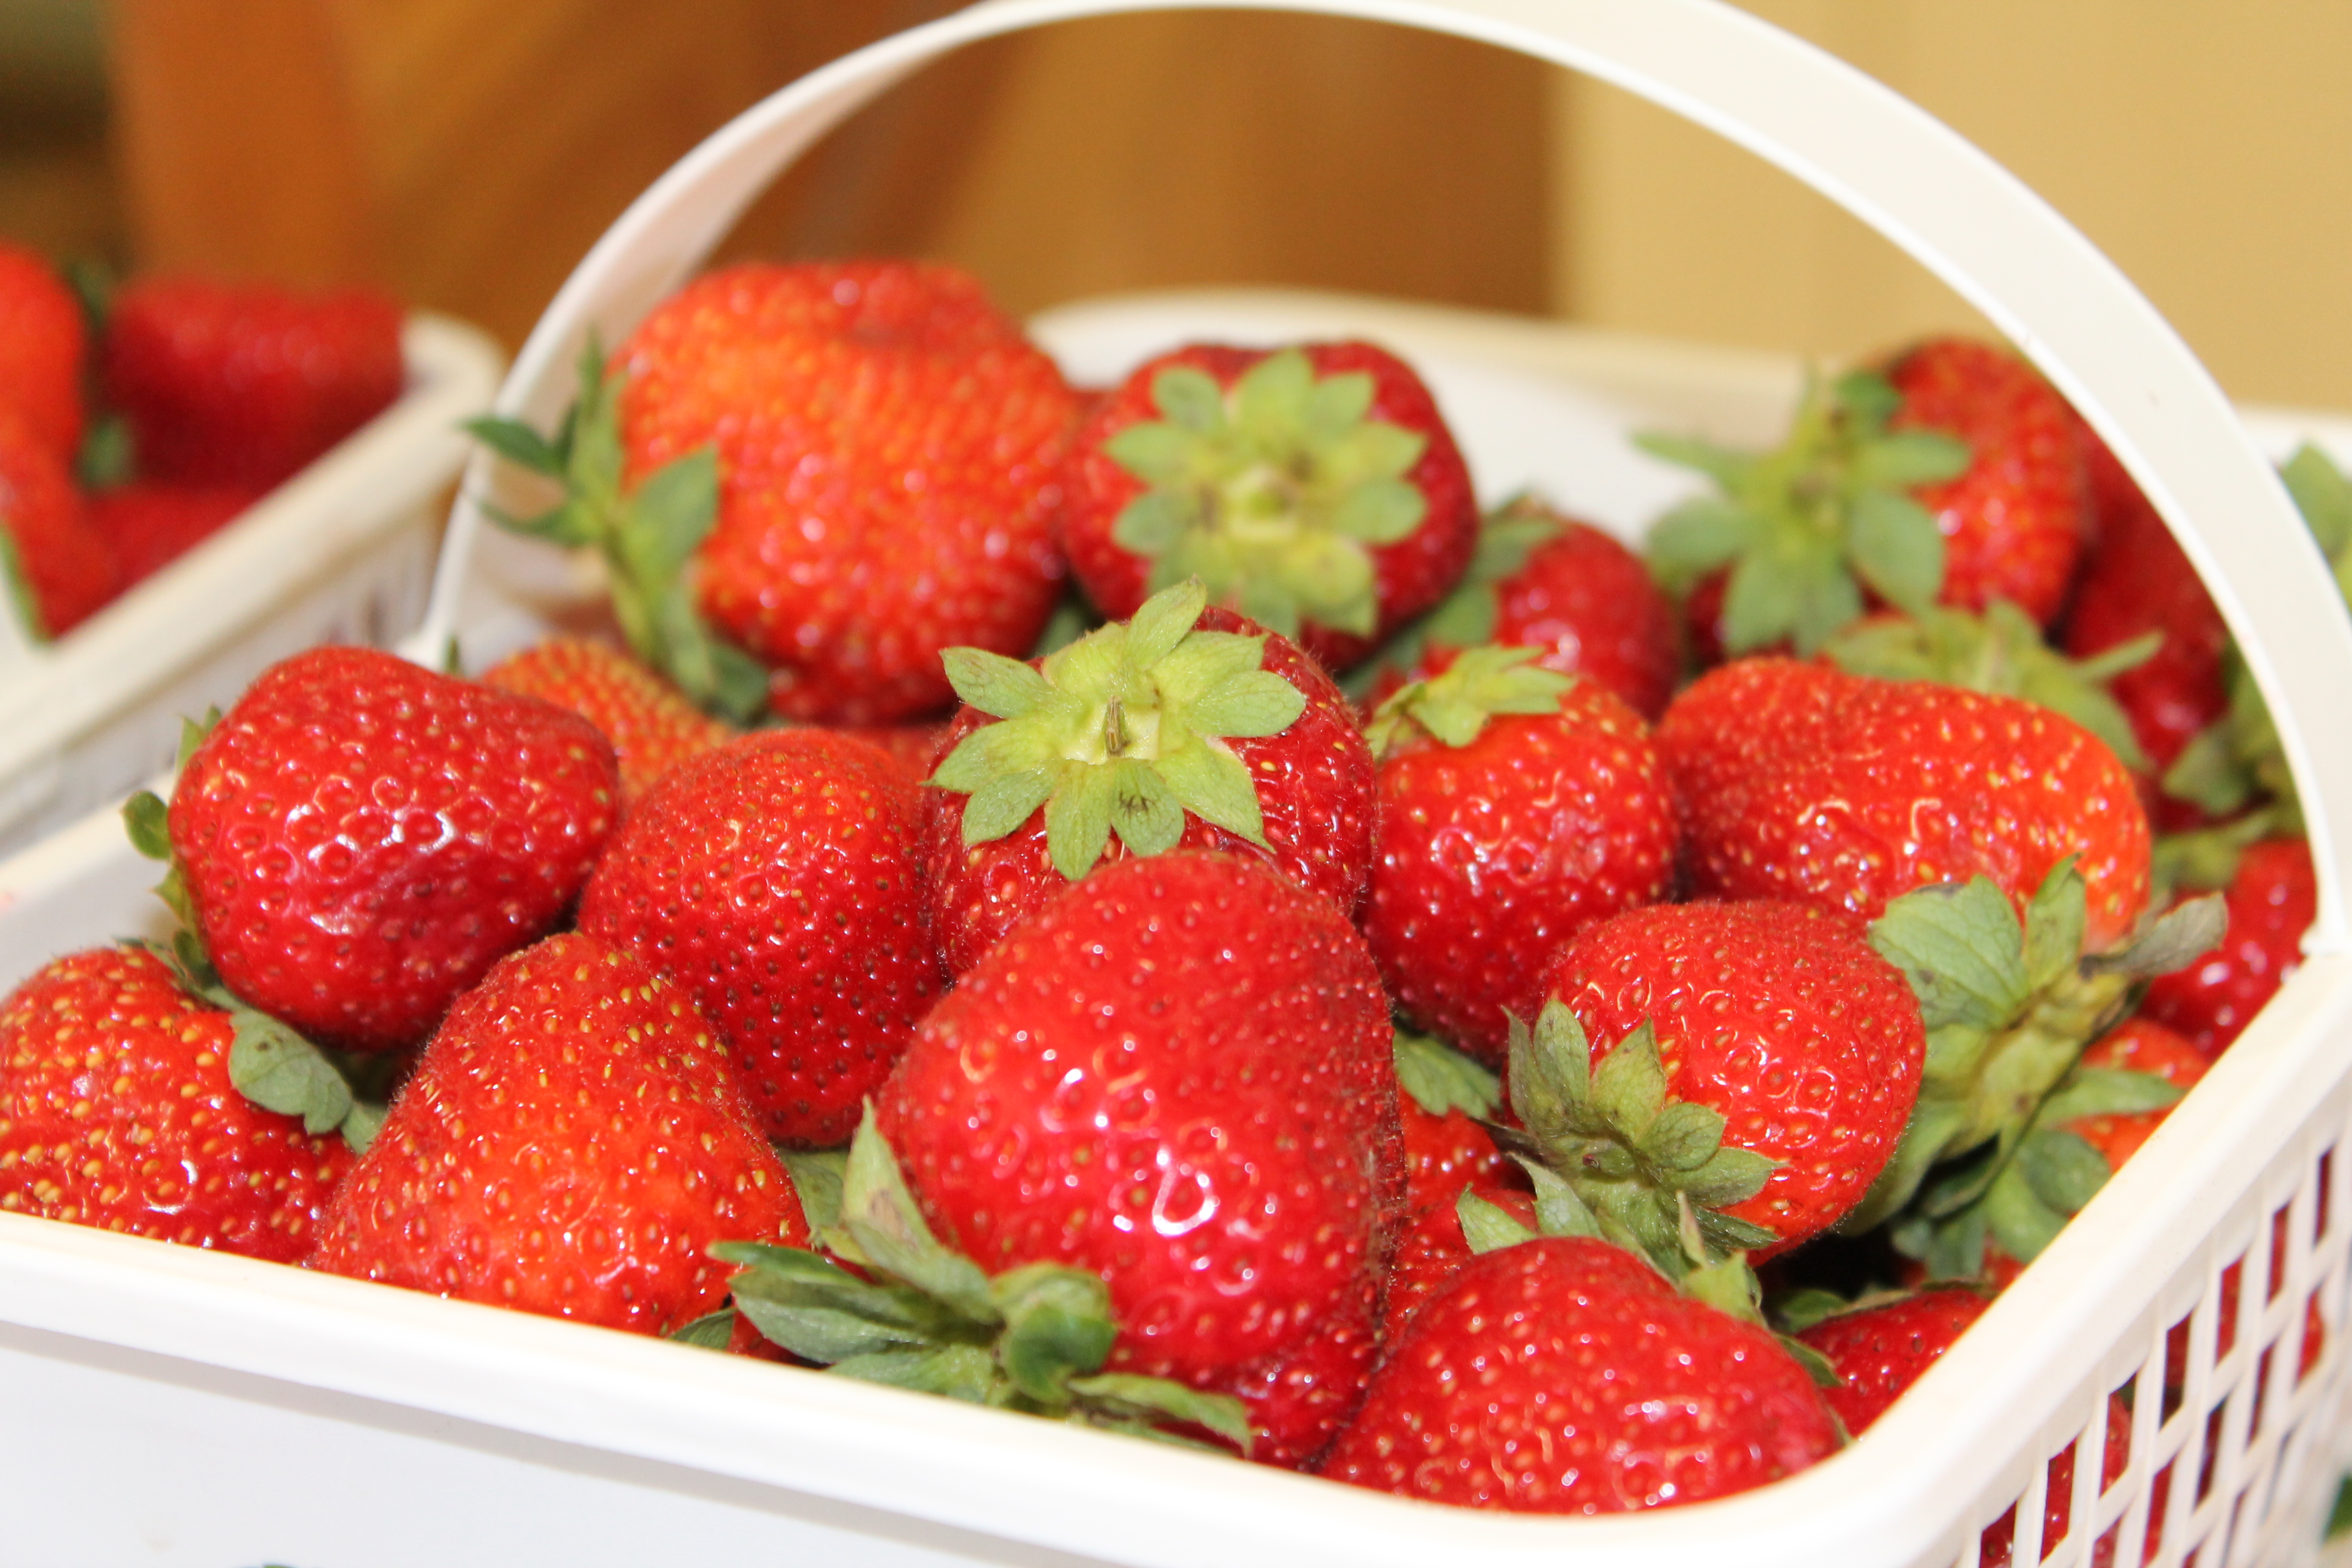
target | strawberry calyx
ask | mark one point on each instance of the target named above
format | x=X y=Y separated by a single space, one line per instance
x=22 y=600
x=1653 y=1171
x=1273 y=491
x=2206 y=859
x=1453 y=708
x=2009 y=1004
x=646 y=534
x=1806 y=529
x=1999 y=652
x=1441 y=1079
x=921 y=1316
x=1121 y=732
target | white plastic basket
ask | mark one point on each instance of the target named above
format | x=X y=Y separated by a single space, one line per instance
x=240 y=1411
x=342 y=552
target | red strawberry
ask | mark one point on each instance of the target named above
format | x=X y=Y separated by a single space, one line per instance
x=1543 y=580
x=573 y=1143
x=1563 y=1375
x=1880 y=1351
x=1779 y=1018
x=2136 y=1045
x=1999 y=1544
x=56 y=568
x=116 y=1110
x=1227 y=738
x=149 y=526
x=41 y=343
x=1432 y=1250
x=1443 y=1152
x=2138 y=580
x=2013 y=524
x=1800 y=782
x=361 y=839
x=2273 y=899
x=776 y=880
x=1517 y=806
x=915 y=746
x=889 y=449
x=652 y=726
x=1315 y=489
x=245 y=385
x=1176 y=1076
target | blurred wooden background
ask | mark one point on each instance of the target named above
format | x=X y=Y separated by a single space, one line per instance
x=465 y=152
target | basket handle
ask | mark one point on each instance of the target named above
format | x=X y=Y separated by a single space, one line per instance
x=1882 y=158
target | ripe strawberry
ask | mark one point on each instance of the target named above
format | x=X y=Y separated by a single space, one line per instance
x=1999 y=1544
x=1517 y=806
x=1444 y=1150
x=1315 y=489
x=361 y=839
x=1800 y=782
x=41 y=344
x=1185 y=726
x=2013 y=524
x=776 y=881
x=2272 y=898
x=889 y=451
x=915 y=747
x=2137 y=1044
x=245 y=385
x=148 y=526
x=56 y=567
x=650 y=723
x=1433 y=1250
x=116 y=1110
x=573 y=1143
x=2137 y=581
x=1878 y=1351
x=1543 y=580
x=1563 y=1375
x=1777 y=1020
x=1177 y=1075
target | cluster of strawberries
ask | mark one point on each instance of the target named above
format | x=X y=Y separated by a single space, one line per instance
x=131 y=426
x=1161 y=1039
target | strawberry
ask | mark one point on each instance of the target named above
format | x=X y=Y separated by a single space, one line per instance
x=116 y=1110
x=1314 y=489
x=1999 y=1544
x=41 y=345
x=1771 y=1028
x=2137 y=581
x=148 y=526
x=573 y=1143
x=1879 y=1350
x=1176 y=1076
x=889 y=450
x=1563 y=1375
x=1800 y=782
x=776 y=880
x=2137 y=1044
x=2272 y=898
x=56 y=568
x=223 y=385
x=650 y=723
x=1517 y=806
x=1433 y=1250
x=1951 y=477
x=1185 y=726
x=1543 y=580
x=915 y=747
x=1444 y=1150
x=360 y=840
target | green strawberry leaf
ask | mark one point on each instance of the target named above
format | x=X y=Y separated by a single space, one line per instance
x=1895 y=548
x=711 y=1331
x=1440 y=1079
x=146 y=819
x=1960 y=946
x=881 y=1216
x=1486 y=1227
x=517 y=442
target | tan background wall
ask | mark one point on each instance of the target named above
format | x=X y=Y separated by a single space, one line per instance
x=2205 y=145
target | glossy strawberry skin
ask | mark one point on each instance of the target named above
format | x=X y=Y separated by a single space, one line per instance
x=1590 y=605
x=65 y=562
x=1796 y=781
x=1178 y=1075
x=2272 y=902
x=1487 y=857
x=1443 y=1154
x=42 y=340
x=890 y=449
x=224 y=385
x=1410 y=576
x=650 y=723
x=1880 y=1351
x=1432 y=1250
x=2137 y=1044
x=2138 y=580
x=1563 y=1375
x=573 y=1143
x=149 y=526
x=363 y=838
x=776 y=880
x=1315 y=791
x=1779 y=1015
x=116 y=1110
x=2013 y=524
